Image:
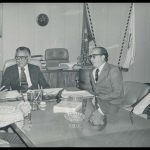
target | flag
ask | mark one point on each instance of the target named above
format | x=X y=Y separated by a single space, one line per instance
x=130 y=55
x=87 y=37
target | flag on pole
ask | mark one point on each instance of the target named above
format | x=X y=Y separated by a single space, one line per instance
x=130 y=56
x=87 y=37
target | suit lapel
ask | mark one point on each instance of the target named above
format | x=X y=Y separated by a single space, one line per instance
x=103 y=73
x=92 y=78
x=31 y=73
x=17 y=79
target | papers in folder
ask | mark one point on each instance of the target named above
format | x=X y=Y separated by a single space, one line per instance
x=83 y=93
x=11 y=95
x=52 y=91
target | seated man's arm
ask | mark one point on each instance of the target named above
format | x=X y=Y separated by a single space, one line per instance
x=42 y=81
x=116 y=84
x=6 y=79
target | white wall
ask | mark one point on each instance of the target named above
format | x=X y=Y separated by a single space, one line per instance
x=20 y=27
x=65 y=27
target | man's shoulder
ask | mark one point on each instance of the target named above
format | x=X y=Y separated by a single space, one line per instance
x=33 y=66
x=111 y=66
x=11 y=67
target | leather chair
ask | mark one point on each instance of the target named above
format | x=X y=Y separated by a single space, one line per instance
x=54 y=56
x=134 y=92
x=11 y=62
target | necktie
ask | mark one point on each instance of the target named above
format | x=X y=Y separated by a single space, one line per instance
x=24 y=83
x=96 y=79
x=96 y=75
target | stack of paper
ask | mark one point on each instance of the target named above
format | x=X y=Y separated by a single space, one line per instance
x=49 y=91
x=67 y=106
x=81 y=93
x=52 y=91
x=11 y=95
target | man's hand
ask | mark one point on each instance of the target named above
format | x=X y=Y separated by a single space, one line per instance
x=97 y=118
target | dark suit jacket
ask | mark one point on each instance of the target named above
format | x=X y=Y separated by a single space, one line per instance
x=11 y=77
x=108 y=88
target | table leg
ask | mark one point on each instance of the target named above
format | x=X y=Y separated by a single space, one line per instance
x=22 y=136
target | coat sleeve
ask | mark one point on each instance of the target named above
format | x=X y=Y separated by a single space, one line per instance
x=42 y=82
x=116 y=81
x=6 y=79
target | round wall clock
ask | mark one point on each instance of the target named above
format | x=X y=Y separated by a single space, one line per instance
x=42 y=19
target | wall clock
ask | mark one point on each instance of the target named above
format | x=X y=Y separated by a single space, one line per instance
x=42 y=19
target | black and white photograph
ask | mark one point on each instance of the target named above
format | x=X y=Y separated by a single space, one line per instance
x=74 y=74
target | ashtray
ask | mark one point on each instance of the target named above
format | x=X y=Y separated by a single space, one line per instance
x=74 y=116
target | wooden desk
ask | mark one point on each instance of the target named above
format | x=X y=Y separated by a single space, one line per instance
x=61 y=78
x=52 y=129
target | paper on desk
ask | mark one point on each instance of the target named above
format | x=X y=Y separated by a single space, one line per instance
x=53 y=68
x=67 y=106
x=84 y=93
x=10 y=95
x=52 y=91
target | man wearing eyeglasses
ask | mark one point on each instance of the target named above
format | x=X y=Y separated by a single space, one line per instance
x=23 y=76
x=107 y=86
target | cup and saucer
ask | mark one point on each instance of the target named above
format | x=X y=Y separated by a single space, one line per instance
x=42 y=105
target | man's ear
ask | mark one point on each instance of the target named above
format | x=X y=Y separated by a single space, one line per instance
x=29 y=58
x=103 y=57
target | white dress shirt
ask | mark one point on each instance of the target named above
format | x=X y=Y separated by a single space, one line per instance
x=27 y=74
x=100 y=69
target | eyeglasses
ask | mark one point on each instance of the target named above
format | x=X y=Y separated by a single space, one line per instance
x=94 y=55
x=21 y=57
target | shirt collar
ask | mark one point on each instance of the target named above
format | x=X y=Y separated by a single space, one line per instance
x=101 y=67
x=25 y=67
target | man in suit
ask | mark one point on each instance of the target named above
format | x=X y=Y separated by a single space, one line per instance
x=23 y=76
x=107 y=86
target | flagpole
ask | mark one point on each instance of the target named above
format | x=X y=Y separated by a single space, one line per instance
x=123 y=42
x=91 y=24
x=131 y=42
x=87 y=37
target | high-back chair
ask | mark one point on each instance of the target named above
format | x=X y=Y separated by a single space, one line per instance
x=55 y=56
x=11 y=62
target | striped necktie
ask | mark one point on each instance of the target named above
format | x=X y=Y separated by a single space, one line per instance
x=96 y=75
x=24 y=83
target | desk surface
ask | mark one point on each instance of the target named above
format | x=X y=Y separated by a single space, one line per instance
x=50 y=129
